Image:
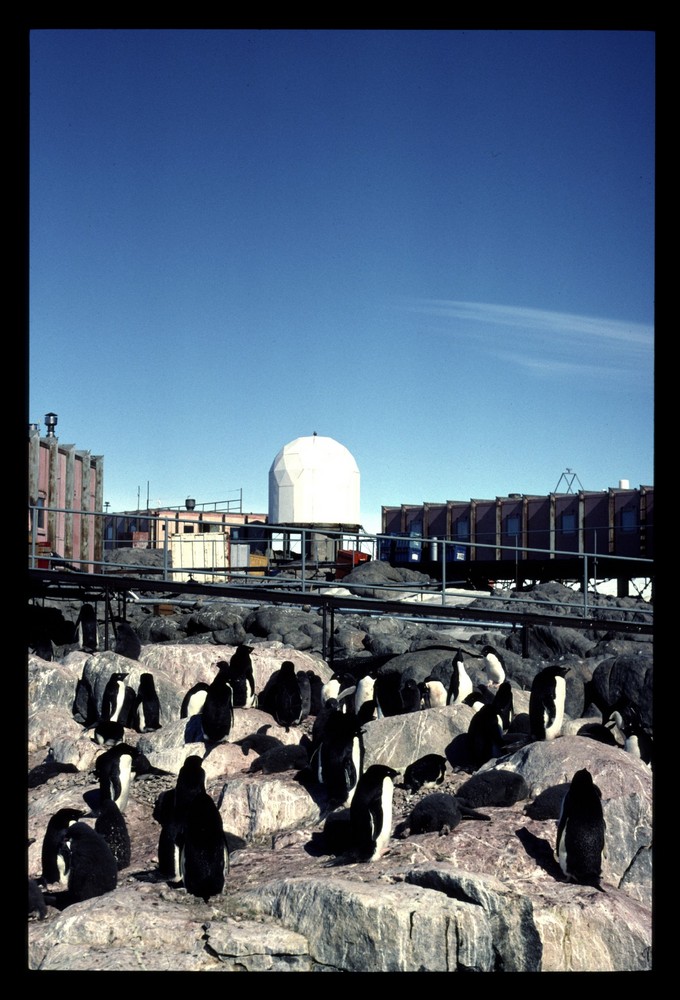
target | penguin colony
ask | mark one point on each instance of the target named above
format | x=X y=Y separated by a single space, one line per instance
x=193 y=850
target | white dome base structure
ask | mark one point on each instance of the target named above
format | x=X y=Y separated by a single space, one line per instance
x=314 y=480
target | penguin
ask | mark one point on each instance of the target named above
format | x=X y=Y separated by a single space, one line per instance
x=171 y=809
x=127 y=641
x=217 y=714
x=371 y=811
x=93 y=870
x=110 y=823
x=291 y=757
x=426 y=772
x=546 y=702
x=581 y=828
x=240 y=676
x=484 y=736
x=316 y=686
x=338 y=760
x=146 y=712
x=494 y=666
x=56 y=857
x=305 y=693
x=460 y=685
x=437 y=813
x=86 y=635
x=41 y=773
x=387 y=694
x=637 y=740
x=203 y=852
x=493 y=788
x=363 y=695
x=193 y=701
x=37 y=907
x=287 y=697
x=84 y=705
x=433 y=693
x=117 y=700
x=259 y=742
x=108 y=733
x=113 y=769
x=410 y=696
x=502 y=703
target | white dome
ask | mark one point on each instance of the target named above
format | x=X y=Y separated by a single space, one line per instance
x=314 y=480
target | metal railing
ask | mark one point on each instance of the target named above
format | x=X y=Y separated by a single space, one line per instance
x=294 y=566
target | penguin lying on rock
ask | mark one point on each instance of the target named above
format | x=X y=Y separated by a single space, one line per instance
x=436 y=813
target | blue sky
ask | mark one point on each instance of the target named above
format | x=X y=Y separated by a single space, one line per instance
x=436 y=247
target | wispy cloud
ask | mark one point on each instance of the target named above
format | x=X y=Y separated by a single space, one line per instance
x=548 y=342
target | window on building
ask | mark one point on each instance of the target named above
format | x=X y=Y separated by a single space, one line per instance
x=568 y=523
x=629 y=519
x=513 y=524
x=462 y=531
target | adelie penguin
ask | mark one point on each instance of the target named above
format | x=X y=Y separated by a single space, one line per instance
x=118 y=699
x=287 y=702
x=93 y=869
x=484 y=736
x=217 y=715
x=338 y=759
x=437 y=813
x=426 y=772
x=460 y=685
x=546 y=702
x=110 y=824
x=113 y=769
x=494 y=666
x=86 y=635
x=203 y=851
x=146 y=712
x=127 y=641
x=581 y=829
x=371 y=811
x=56 y=857
x=241 y=677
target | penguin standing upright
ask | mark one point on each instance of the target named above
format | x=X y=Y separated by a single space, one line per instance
x=581 y=828
x=460 y=685
x=363 y=695
x=110 y=823
x=387 y=694
x=433 y=693
x=371 y=811
x=117 y=700
x=86 y=634
x=113 y=769
x=484 y=736
x=287 y=697
x=502 y=702
x=56 y=857
x=127 y=641
x=241 y=677
x=217 y=715
x=305 y=693
x=546 y=702
x=171 y=810
x=194 y=700
x=338 y=758
x=203 y=853
x=93 y=869
x=146 y=713
x=494 y=666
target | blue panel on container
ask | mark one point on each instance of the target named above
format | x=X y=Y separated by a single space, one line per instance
x=459 y=553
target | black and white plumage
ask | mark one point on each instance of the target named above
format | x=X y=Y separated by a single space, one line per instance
x=484 y=736
x=338 y=758
x=371 y=811
x=637 y=739
x=426 y=772
x=460 y=685
x=86 y=633
x=287 y=705
x=171 y=810
x=316 y=687
x=110 y=823
x=146 y=711
x=37 y=907
x=242 y=678
x=305 y=686
x=580 y=845
x=494 y=666
x=193 y=701
x=117 y=700
x=113 y=770
x=55 y=855
x=107 y=733
x=203 y=851
x=217 y=714
x=387 y=694
x=503 y=703
x=433 y=693
x=546 y=702
x=93 y=870
x=363 y=695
